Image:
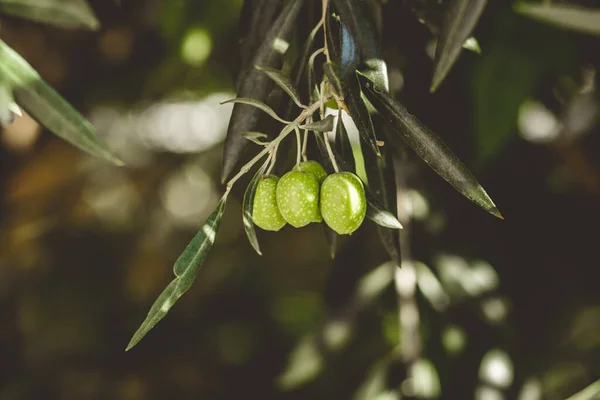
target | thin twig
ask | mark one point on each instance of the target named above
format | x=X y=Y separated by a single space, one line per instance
x=299 y=144
x=330 y=152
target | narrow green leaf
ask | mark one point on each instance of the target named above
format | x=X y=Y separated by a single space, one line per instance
x=378 y=213
x=364 y=35
x=256 y=18
x=47 y=107
x=428 y=146
x=323 y=125
x=284 y=82
x=330 y=70
x=591 y=392
x=382 y=182
x=342 y=47
x=248 y=207
x=458 y=22
x=186 y=268
x=256 y=84
x=566 y=16
x=360 y=113
x=65 y=13
x=343 y=147
x=472 y=44
x=320 y=139
x=258 y=104
x=8 y=107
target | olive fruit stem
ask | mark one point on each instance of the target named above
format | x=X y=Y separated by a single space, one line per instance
x=299 y=145
x=273 y=156
x=330 y=152
x=308 y=111
x=305 y=145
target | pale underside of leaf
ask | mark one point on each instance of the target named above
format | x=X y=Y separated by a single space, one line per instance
x=284 y=82
x=65 y=13
x=258 y=104
x=323 y=125
x=47 y=107
x=248 y=207
x=428 y=146
x=458 y=22
x=186 y=268
x=377 y=213
x=580 y=19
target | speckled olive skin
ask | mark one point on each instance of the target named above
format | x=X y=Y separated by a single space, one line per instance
x=314 y=168
x=265 y=213
x=343 y=202
x=298 y=198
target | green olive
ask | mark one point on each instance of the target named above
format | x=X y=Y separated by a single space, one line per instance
x=343 y=202
x=314 y=168
x=298 y=198
x=265 y=212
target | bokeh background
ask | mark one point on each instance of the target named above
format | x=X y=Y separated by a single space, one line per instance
x=485 y=309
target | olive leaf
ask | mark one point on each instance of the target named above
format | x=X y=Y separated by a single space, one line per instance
x=248 y=206
x=65 y=13
x=323 y=153
x=378 y=213
x=577 y=18
x=346 y=57
x=8 y=107
x=186 y=268
x=330 y=70
x=257 y=85
x=364 y=36
x=258 y=104
x=284 y=82
x=323 y=125
x=428 y=146
x=256 y=18
x=458 y=21
x=343 y=147
x=47 y=107
x=256 y=137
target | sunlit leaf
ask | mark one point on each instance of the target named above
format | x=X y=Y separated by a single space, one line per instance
x=248 y=206
x=256 y=137
x=567 y=16
x=8 y=107
x=186 y=268
x=589 y=393
x=377 y=212
x=257 y=85
x=284 y=82
x=258 y=104
x=459 y=19
x=65 y=13
x=47 y=107
x=323 y=125
x=428 y=146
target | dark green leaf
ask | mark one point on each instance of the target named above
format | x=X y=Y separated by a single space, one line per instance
x=343 y=147
x=428 y=146
x=257 y=85
x=323 y=125
x=382 y=183
x=458 y=22
x=359 y=27
x=65 y=13
x=331 y=71
x=47 y=107
x=378 y=213
x=342 y=47
x=567 y=16
x=359 y=112
x=256 y=17
x=258 y=104
x=284 y=82
x=248 y=206
x=186 y=268
x=591 y=392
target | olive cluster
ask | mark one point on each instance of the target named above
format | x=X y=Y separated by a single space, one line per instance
x=307 y=194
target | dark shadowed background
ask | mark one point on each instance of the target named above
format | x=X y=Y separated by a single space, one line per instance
x=502 y=308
